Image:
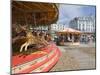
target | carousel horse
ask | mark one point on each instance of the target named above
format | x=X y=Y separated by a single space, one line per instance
x=30 y=38
x=33 y=39
x=18 y=32
x=41 y=38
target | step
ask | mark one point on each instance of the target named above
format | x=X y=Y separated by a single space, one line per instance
x=48 y=65
x=35 y=64
x=20 y=59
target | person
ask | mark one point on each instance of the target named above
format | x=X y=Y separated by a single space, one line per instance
x=48 y=37
x=61 y=38
x=55 y=38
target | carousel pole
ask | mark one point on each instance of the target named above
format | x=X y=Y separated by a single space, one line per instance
x=72 y=38
x=26 y=22
x=79 y=37
x=49 y=26
x=34 y=19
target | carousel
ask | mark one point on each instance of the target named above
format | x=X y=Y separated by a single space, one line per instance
x=32 y=49
x=69 y=36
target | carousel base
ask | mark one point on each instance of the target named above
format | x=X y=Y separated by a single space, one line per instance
x=70 y=43
x=40 y=61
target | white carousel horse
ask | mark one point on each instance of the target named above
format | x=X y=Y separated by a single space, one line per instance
x=31 y=39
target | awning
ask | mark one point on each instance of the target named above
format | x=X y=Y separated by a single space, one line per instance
x=69 y=30
x=35 y=13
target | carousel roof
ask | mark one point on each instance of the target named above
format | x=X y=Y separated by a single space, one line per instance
x=35 y=13
x=69 y=30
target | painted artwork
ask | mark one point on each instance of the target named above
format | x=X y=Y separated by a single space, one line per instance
x=52 y=37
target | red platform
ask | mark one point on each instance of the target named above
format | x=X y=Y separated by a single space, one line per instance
x=40 y=61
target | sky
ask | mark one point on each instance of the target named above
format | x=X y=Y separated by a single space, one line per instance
x=68 y=12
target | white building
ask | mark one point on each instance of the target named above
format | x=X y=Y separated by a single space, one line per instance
x=84 y=24
x=57 y=27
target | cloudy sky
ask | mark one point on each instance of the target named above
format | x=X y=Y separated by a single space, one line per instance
x=68 y=12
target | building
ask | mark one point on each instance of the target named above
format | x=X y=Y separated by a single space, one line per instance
x=84 y=24
x=57 y=27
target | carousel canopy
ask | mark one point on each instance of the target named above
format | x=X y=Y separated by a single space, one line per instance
x=69 y=30
x=34 y=13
